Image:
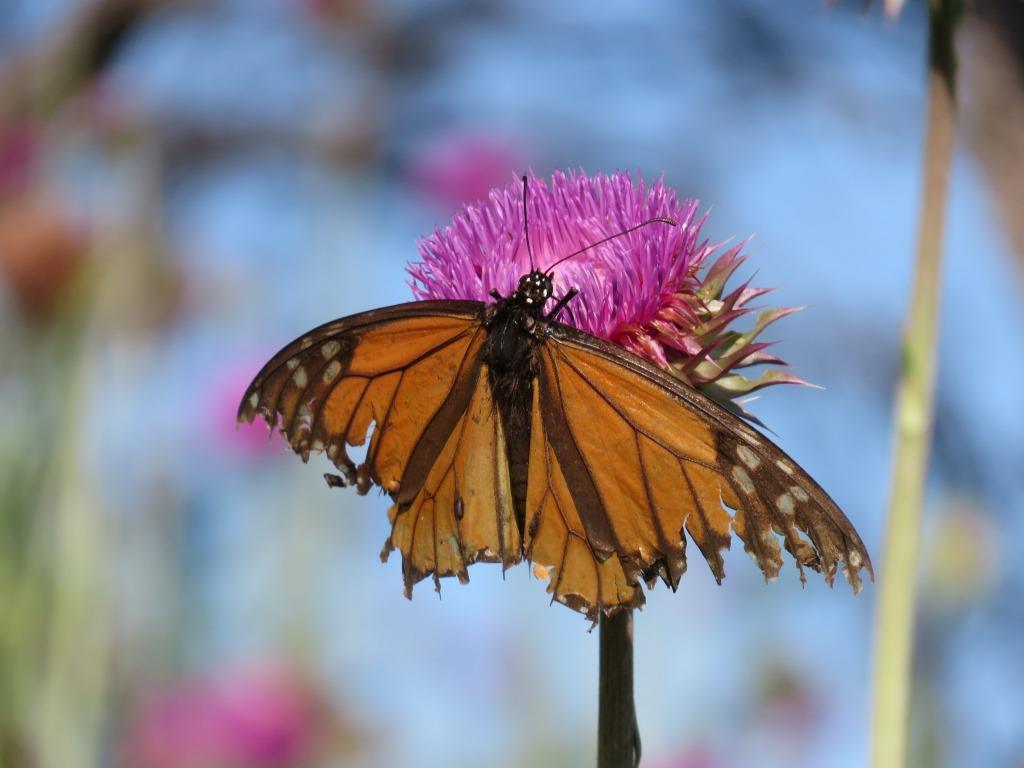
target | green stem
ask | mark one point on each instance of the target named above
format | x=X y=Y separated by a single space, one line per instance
x=895 y=617
x=618 y=739
x=72 y=685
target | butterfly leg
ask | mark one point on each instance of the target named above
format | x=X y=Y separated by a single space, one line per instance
x=334 y=481
x=557 y=309
x=495 y=294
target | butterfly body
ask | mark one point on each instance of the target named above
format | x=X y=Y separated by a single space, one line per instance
x=515 y=327
x=510 y=353
x=502 y=435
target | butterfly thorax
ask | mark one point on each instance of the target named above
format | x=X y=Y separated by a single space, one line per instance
x=510 y=337
x=512 y=324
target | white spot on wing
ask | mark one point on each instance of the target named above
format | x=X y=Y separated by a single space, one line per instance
x=747 y=456
x=254 y=399
x=330 y=349
x=785 y=466
x=332 y=370
x=743 y=479
x=299 y=377
x=292 y=363
x=800 y=493
x=747 y=432
x=785 y=504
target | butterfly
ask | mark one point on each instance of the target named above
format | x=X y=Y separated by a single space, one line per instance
x=503 y=435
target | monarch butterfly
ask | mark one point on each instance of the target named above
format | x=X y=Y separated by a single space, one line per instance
x=502 y=435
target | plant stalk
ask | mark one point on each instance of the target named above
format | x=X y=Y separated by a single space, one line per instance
x=914 y=410
x=618 y=738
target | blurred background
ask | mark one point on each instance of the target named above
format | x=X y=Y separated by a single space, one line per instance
x=187 y=185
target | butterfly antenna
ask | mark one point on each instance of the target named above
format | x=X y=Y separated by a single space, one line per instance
x=655 y=220
x=526 y=226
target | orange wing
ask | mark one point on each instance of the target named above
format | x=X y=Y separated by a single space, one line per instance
x=624 y=459
x=462 y=512
x=408 y=369
x=414 y=371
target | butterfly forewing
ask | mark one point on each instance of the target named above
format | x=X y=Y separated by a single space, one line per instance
x=395 y=368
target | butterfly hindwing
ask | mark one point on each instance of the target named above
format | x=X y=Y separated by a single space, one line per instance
x=437 y=447
x=584 y=573
x=462 y=512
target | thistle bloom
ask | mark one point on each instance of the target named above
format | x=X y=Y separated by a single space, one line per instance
x=658 y=291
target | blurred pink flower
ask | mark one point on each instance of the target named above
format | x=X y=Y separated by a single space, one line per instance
x=700 y=756
x=652 y=291
x=259 y=718
x=894 y=7
x=17 y=156
x=464 y=166
x=787 y=705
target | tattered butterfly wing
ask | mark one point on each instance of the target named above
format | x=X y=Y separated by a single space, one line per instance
x=462 y=511
x=624 y=459
x=566 y=531
x=438 y=447
x=397 y=368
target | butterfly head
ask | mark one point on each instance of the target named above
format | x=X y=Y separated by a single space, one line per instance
x=535 y=288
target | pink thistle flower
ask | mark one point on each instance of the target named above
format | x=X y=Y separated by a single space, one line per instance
x=658 y=291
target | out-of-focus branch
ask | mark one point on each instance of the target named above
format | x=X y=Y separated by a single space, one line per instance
x=993 y=106
x=895 y=618
x=40 y=79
